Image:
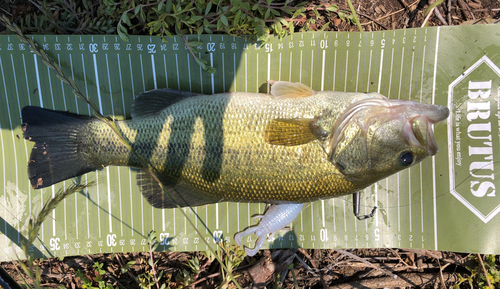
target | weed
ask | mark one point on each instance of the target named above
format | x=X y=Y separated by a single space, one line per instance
x=254 y=19
x=93 y=280
x=231 y=256
x=478 y=275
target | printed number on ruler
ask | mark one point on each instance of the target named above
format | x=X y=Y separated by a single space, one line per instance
x=323 y=44
x=151 y=48
x=217 y=236
x=111 y=240
x=54 y=244
x=323 y=235
x=93 y=47
x=164 y=239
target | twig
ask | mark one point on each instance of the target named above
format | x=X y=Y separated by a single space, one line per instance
x=407 y=280
x=6 y=12
x=201 y=280
x=483 y=10
x=215 y=19
x=395 y=12
x=441 y=278
x=466 y=10
x=485 y=272
x=449 y=13
x=344 y=252
x=36 y=5
x=308 y=257
x=374 y=20
x=428 y=16
x=440 y=17
x=305 y=265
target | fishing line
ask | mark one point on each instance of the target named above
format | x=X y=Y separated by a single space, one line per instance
x=370 y=196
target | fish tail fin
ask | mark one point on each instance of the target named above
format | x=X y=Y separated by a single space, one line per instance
x=57 y=154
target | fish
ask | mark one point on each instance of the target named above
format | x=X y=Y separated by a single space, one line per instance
x=286 y=148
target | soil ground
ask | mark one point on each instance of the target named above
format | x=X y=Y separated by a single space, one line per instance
x=358 y=268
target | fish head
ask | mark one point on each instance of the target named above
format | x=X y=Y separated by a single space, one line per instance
x=377 y=137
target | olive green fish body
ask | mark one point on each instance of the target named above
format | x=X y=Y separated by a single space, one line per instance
x=215 y=145
x=293 y=146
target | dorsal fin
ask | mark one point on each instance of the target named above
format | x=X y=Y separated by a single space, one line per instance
x=151 y=102
x=286 y=90
x=157 y=198
x=292 y=132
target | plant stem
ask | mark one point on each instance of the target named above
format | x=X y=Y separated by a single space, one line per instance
x=353 y=11
x=153 y=265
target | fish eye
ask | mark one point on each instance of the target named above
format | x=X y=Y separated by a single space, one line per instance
x=340 y=166
x=405 y=159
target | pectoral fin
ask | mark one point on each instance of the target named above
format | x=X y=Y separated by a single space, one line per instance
x=292 y=132
x=157 y=198
x=285 y=89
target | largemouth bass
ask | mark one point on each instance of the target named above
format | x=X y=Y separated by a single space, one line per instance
x=294 y=146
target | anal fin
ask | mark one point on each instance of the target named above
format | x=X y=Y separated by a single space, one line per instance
x=157 y=198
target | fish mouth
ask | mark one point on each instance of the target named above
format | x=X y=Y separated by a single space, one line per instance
x=418 y=130
x=418 y=121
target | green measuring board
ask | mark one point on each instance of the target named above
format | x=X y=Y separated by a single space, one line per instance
x=447 y=202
